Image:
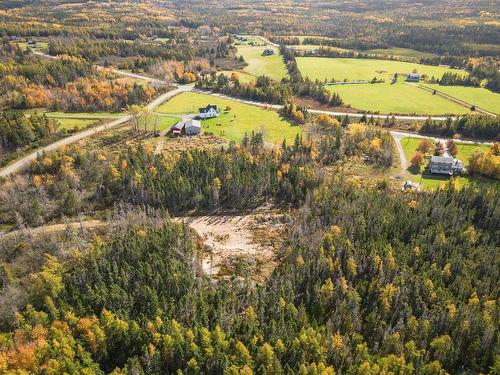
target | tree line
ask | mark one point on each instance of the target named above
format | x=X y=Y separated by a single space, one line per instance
x=469 y=126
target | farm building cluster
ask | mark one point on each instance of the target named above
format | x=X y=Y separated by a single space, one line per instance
x=192 y=126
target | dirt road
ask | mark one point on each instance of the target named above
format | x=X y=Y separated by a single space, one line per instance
x=25 y=161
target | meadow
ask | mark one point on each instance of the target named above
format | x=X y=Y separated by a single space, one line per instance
x=244 y=77
x=232 y=124
x=75 y=120
x=363 y=69
x=477 y=96
x=165 y=122
x=398 y=98
x=76 y=123
x=271 y=66
x=401 y=52
x=311 y=47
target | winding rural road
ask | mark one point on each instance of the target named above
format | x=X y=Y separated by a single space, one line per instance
x=25 y=161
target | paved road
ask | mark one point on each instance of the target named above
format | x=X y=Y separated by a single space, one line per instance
x=318 y=111
x=25 y=161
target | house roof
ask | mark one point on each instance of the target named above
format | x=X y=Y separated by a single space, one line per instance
x=178 y=126
x=442 y=159
x=193 y=123
x=207 y=108
x=413 y=75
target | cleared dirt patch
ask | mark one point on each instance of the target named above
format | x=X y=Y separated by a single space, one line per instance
x=239 y=245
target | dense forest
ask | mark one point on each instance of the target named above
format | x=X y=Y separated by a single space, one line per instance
x=18 y=132
x=369 y=282
x=68 y=84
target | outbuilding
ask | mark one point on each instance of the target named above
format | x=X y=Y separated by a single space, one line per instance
x=413 y=77
x=268 y=52
x=187 y=127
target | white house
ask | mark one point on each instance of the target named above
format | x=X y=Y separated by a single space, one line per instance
x=210 y=111
x=446 y=165
x=188 y=127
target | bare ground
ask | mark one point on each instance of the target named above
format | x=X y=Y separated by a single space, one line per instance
x=239 y=245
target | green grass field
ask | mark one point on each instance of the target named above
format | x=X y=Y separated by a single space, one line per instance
x=244 y=77
x=240 y=119
x=83 y=115
x=466 y=150
x=75 y=123
x=39 y=46
x=403 y=52
x=363 y=69
x=271 y=66
x=398 y=98
x=166 y=122
x=410 y=145
x=477 y=96
x=311 y=47
x=431 y=182
x=79 y=120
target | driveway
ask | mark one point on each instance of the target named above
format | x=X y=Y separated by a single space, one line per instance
x=399 y=135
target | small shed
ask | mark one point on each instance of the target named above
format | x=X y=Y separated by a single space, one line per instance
x=268 y=52
x=413 y=77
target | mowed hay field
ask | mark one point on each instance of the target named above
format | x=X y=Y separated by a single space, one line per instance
x=234 y=123
x=75 y=123
x=399 y=98
x=403 y=52
x=258 y=65
x=363 y=69
x=477 y=96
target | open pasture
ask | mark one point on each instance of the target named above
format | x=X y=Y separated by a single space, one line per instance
x=477 y=96
x=363 y=69
x=258 y=65
x=235 y=118
x=398 y=98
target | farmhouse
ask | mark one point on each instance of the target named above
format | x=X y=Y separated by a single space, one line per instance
x=268 y=52
x=413 y=77
x=189 y=127
x=210 y=111
x=445 y=165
